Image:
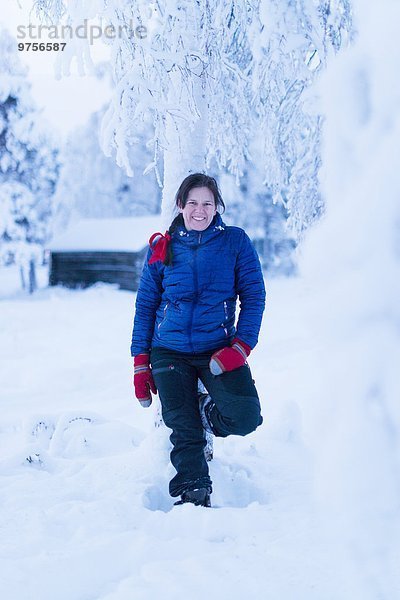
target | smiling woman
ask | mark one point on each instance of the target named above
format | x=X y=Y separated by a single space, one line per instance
x=184 y=332
x=199 y=210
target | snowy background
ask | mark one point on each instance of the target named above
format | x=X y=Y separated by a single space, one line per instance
x=306 y=507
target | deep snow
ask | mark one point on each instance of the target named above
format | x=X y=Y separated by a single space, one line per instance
x=85 y=511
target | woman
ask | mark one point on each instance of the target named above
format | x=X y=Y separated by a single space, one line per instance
x=184 y=330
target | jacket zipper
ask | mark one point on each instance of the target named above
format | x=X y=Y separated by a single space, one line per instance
x=196 y=288
x=223 y=325
x=225 y=310
x=164 y=316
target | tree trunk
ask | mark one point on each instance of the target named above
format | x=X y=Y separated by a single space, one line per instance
x=22 y=275
x=187 y=141
x=32 y=276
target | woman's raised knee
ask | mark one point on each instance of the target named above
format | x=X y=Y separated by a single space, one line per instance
x=244 y=417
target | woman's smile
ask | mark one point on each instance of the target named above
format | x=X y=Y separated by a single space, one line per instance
x=199 y=209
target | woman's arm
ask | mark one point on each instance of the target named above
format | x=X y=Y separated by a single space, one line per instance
x=147 y=301
x=250 y=288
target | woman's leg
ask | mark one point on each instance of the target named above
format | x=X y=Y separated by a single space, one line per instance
x=176 y=381
x=236 y=409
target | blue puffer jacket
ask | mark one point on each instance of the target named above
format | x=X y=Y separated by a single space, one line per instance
x=190 y=306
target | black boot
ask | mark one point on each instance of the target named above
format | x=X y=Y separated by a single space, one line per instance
x=200 y=497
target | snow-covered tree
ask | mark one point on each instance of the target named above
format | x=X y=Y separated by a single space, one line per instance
x=28 y=166
x=252 y=207
x=294 y=43
x=92 y=185
x=213 y=75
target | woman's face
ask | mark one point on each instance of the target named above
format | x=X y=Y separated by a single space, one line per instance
x=199 y=209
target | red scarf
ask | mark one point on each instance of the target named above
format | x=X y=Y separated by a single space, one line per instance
x=161 y=247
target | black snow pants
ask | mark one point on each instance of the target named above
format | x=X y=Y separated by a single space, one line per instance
x=236 y=410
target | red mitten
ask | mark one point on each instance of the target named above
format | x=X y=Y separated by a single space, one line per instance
x=143 y=379
x=229 y=358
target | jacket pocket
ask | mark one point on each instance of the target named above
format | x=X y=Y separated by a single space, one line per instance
x=161 y=323
x=159 y=370
x=225 y=321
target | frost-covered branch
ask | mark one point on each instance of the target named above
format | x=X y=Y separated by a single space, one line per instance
x=213 y=75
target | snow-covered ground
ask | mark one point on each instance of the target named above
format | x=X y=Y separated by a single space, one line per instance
x=85 y=510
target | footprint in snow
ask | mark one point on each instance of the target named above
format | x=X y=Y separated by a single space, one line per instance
x=72 y=435
x=155 y=499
